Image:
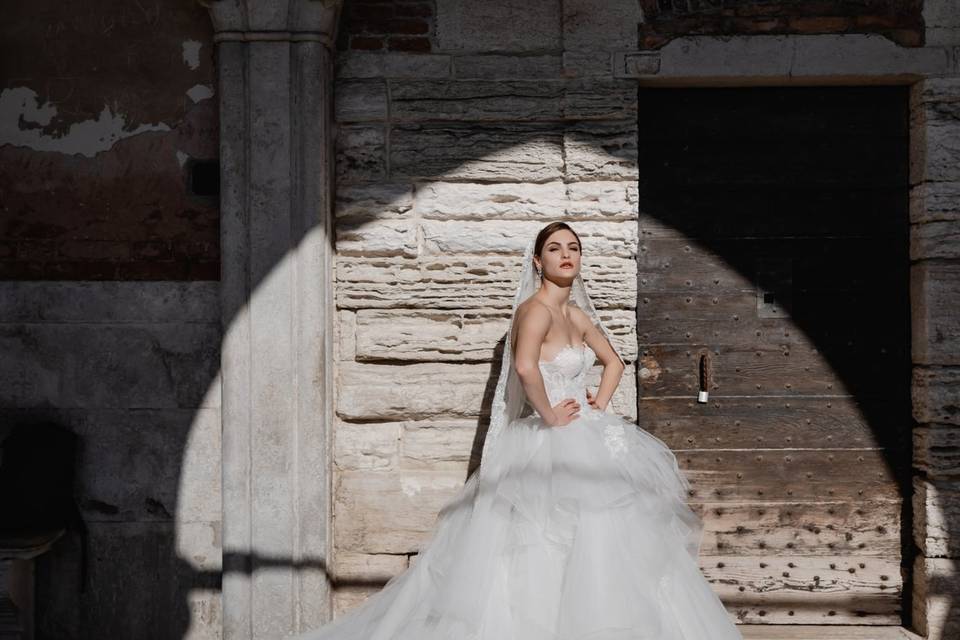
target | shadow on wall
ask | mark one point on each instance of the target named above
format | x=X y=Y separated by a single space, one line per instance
x=130 y=585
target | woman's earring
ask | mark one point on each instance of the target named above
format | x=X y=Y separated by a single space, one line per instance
x=539 y=273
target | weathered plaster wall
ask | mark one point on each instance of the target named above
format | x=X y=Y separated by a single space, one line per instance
x=107 y=118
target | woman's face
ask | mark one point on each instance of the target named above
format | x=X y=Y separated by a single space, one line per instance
x=560 y=257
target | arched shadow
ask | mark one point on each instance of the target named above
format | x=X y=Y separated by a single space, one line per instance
x=817 y=327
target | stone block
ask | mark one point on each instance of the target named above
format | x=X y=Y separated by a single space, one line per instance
x=601 y=151
x=935 y=88
x=408 y=334
x=389 y=512
x=607 y=239
x=347 y=597
x=614 y=27
x=503 y=152
x=459 y=336
x=935 y=131
x=366 y=445
x=934 y=299
x=935 y=202
x=613 y=200
x=360 y=101
x=507 y=67
x=446 y=445
x=586 y=63
x=936 y=449
x=935 y=394
x=158 y=366
x=499 y=201
x=372 y=236
x=436 y=282
x=415 y=391
x=374 y=200
x=589 y=35
x=393 y=64
x=352 y=567
x=475 y=100
x=935 y=240
x=936 y=591
x=509 y=26
x=109 y=302
x=361 y=154
x=942 y=23
x=617 y=200
x=936 y=516
x=600 y=98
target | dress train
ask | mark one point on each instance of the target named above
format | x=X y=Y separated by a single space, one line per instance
x=580 y=532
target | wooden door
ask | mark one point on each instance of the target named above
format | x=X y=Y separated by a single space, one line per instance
x=773 y=271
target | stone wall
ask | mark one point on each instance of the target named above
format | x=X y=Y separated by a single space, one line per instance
x=449 y=158
x=935 y=293
x=448 y=162
x=131 y=369
x=902 y=21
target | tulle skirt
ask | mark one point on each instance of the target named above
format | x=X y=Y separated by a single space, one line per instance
x=580 y=532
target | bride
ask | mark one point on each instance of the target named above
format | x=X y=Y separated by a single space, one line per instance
x=575 y=524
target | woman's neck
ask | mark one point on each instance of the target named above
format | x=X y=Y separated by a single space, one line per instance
x=554 y=295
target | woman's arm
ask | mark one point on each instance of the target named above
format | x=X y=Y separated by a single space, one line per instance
x=612 y=367
x=533 y=322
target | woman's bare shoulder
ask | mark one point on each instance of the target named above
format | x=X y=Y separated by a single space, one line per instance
x=533 y=308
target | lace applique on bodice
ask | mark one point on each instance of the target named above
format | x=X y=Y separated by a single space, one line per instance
x=565 y=375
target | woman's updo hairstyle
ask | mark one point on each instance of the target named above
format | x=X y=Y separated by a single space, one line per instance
x=547 y=231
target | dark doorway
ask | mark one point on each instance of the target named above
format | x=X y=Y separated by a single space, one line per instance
x=773 y=273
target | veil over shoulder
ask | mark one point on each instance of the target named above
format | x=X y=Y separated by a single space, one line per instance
x=575 y=532
x=509 y=397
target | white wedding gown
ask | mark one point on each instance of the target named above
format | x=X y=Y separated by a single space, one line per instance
x=579 y=532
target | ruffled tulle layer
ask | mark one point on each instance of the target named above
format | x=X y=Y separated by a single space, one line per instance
x=579 y=532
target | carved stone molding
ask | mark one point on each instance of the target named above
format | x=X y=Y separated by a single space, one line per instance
x=275 y=87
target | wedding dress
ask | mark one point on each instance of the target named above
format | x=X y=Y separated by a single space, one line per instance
x=577 y=532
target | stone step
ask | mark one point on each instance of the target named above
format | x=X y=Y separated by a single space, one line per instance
x=824 y=632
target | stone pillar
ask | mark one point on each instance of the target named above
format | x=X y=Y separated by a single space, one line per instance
x=935 y=293
x=274 y=63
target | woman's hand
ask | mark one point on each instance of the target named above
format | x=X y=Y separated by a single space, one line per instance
x=592 y=401
x=565 y=412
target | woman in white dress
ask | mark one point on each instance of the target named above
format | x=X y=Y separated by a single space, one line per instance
x=575 y=525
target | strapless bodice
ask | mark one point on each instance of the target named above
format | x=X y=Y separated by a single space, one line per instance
x=565 y=375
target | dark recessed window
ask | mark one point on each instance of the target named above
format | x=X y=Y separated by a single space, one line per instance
x=204 y=177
